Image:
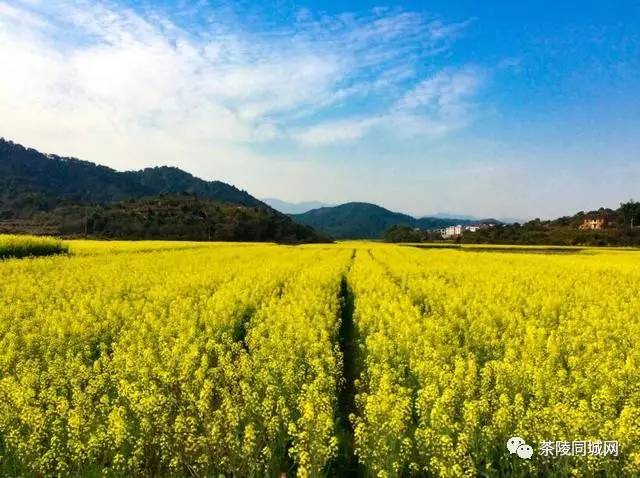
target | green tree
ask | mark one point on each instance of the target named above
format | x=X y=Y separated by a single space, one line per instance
x=398 y=233
x=630 y=212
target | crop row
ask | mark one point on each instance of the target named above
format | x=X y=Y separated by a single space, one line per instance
x=462 y=351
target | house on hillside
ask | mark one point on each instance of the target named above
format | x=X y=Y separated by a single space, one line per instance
x=595 y=222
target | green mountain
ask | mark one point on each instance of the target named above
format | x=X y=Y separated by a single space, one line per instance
x=52 y=179
x=358 y=220
x=49 y=194
x=354 y=220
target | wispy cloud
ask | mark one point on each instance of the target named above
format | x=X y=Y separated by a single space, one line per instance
x=338 y=131
x=445 y=94
x=91 y=74
x=433 y=107
x=15 y=13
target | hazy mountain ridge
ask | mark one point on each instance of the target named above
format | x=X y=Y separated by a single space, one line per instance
x=449 y=215
x=301 y=207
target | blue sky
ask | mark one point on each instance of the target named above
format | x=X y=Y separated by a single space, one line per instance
x=504 y=109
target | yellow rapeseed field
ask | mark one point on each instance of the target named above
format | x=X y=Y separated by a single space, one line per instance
x=210 y=359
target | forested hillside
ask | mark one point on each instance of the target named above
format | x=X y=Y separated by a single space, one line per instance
x=48 y=194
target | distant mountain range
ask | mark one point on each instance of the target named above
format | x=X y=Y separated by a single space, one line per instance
x=358 y=220
x=294 y=207
x=45 y=193
x=448 y=215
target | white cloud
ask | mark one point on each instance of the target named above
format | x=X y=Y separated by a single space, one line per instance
x=113 y=85
x=446 y=93
x=11 y=13
x=337 y=131
x=435 y=106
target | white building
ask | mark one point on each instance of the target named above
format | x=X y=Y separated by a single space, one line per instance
x=455 y=231
x=452 y=231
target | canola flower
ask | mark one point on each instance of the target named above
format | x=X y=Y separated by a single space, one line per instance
x=207 y=359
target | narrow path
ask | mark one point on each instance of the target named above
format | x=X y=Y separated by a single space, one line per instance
x=346 y=463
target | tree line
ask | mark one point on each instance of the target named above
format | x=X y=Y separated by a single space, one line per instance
x=621 y=228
